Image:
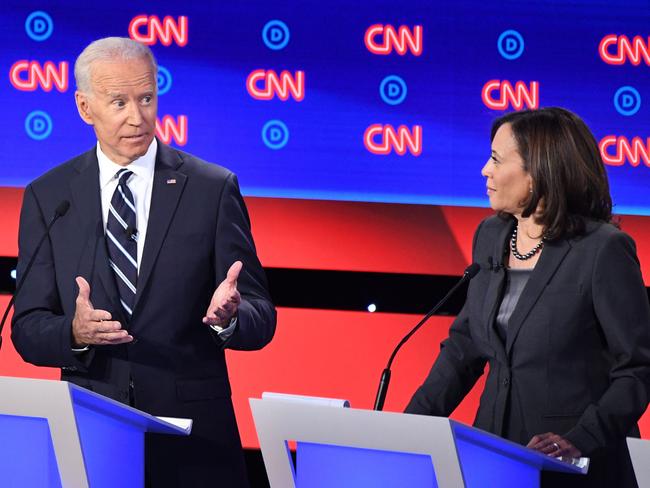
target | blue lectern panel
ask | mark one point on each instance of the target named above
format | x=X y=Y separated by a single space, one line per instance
x=324 y=466
x=26 y=453
x=106 y=438
x=489 y=468
x=487 y=458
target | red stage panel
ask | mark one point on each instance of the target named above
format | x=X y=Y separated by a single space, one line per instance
x=353 y=236
x=339 y=355
x=10 y=362
x=323 y=353
x=462 y=223
x=10 y=201
x=391 y=238
x=639 y=228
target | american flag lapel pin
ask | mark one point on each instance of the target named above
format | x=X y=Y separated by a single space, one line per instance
x=171 y=181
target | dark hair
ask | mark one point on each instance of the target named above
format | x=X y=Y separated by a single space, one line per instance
x=562 y=157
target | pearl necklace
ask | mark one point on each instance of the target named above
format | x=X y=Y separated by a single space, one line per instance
x=529 y=254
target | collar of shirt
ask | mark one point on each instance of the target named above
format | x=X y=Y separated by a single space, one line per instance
x=142 y=167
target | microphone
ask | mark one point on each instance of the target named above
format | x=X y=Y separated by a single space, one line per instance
x=59 y=211
x=131 y=233
x=469 y=273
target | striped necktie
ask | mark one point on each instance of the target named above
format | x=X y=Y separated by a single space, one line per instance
x=121 y=239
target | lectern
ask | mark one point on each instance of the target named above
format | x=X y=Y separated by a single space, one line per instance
x=56 y=434
x=640 y=456
x=346 y=447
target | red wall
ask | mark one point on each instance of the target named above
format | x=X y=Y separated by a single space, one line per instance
x=339 y=355
x=334 y=353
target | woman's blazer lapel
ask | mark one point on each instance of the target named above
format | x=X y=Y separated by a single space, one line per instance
x=494 y=287
x=552 y=255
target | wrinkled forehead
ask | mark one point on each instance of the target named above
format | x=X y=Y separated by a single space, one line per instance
x=117 y=73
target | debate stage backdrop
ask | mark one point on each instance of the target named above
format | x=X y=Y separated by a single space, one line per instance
x=357 y=129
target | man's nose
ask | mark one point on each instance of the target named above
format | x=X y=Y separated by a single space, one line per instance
x=135 y=116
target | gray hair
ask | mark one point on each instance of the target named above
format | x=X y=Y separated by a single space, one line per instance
x=105 y=49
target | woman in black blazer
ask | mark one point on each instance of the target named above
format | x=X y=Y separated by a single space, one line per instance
x=559 y=310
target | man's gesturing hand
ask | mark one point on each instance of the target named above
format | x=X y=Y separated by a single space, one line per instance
x=90 y=326
x=225 y=299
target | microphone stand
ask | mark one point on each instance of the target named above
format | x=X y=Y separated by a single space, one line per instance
x=60 y=211
x=469 y=273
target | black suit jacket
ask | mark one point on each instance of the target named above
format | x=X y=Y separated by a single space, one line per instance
x=576 y=361
x=198 y=226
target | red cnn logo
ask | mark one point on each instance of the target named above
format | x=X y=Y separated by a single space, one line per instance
x=401 y=40
x=518 y=96
x=633 y=51
x=634 y=151
x=382 y=139
x=169 y=130
x=46 y=76
x=264 y=85
x=156 y=30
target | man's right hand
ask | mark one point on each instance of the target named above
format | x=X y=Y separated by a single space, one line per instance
x=90 y=326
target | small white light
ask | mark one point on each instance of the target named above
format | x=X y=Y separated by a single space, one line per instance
x=13 y=274
x=372 y=308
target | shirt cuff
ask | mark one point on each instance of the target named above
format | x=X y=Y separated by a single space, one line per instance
x=225 y=332
x=78 y=350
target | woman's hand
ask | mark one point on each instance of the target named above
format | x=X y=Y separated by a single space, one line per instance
x=553 y=445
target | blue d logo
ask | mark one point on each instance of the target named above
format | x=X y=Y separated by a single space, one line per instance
x=627 y=100
x=39 y=26
x=393 y=90
x=38 y=125
x=275 y=35
x=275 y=134
x=510 y=44
x=164 y=80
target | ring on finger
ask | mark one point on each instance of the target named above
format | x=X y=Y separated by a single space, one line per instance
x=556 y=445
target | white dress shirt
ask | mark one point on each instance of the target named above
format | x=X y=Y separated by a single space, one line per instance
x=140 y=183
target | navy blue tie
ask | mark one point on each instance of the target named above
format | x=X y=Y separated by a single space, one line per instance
x=121 y=239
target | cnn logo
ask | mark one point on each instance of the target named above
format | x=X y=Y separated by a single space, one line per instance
x=30 y=75
x=265 y=85
x=616 y=150
x=170 y=130
x=499 y=95
x=384 y=39
x=383 y=139
x=149 y=29
x=617 y=50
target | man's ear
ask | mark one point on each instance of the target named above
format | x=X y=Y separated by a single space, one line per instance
x=83 y=107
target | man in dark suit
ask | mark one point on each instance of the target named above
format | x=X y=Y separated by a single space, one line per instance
x=148 y=277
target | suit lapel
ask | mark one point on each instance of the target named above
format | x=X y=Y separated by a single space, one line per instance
x=552 y=255
x=168 y=185
x=87 y=202
x=495 y=285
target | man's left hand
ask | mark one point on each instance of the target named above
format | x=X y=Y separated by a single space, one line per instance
x=553 y=445
x=225 y=299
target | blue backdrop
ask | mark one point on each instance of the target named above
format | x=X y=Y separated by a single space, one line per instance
x=311 y=145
